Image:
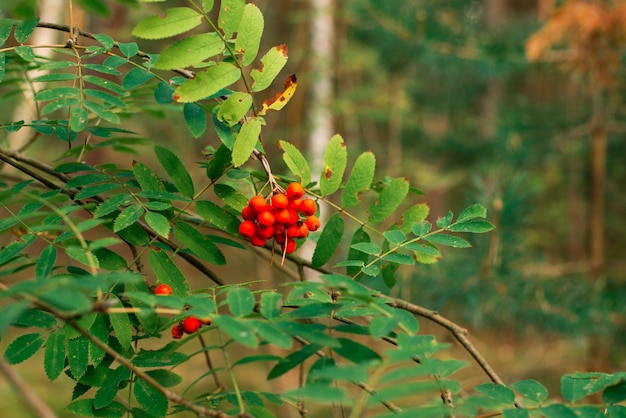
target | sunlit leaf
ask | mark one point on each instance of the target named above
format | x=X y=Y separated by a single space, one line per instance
x=271 y=65
x=207 y=83
x=230 y=15
x=389 y=200
x=190 y=51
x=178 y=20
x=246 y=141
x=295 y=161
x=360 y=179
x=448 y=240
x=281 y=98
x=240 y=301
x=234 y=108
x=249 y=33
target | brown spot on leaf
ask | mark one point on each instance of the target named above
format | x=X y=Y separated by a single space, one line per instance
x=283 y=49
x=328 y=173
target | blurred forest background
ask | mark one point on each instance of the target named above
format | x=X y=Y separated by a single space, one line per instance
x=516 y=104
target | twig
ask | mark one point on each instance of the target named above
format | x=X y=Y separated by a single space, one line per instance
x=28 y=395
x=209 y=364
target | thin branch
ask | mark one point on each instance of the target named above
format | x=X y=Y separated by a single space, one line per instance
x=209 y=364
x=28 y=395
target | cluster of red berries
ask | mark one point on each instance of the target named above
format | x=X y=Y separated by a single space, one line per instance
x=286 y=217
x=188 y=325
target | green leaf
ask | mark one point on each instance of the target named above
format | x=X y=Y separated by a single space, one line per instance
x=399 y=259
x=54 y=354
x=10 y=313
x=109 y=389
x=86 y=179
x=25 y=52
x=57 y=93
x=445 y=221
x=159 y=223
x=615 y=393
x=557 y=411
x=190 y=51
x=207 y=83
x=271 y=65
x=356 y=352
x=475 y=211
x=199 y=243
x=135 y=78
x=230 y=196
x=231 y=12
x=91 y=191
x=147 y=179
x=82 y=255
x=163 y=93
x=499 y=393
x=295 y=161
x=23 y=347
x=394 y=236
x=367 y=248
x=129 y=49
x=105 y=40
x=389 y=200
x=176 y=170
x=2 y=65
x=78 y=356
x=128 y=217
x=16 y=248
x=329 y=241
x=104 y=83
x=448 y=240
x=218 y=216
x=319 y=394
x=121 y=325
x=105 y=97
x=166 y=272
x=111 y=205
x=35 y=318
x=6 y=26
x=271 y=303
x=360 y=179
x=24 y=29
x=85 y=408
x=272 y=334
x=178 y=20
x=165 y=377
x=240 y=301
x=335 y=160
x=477 y=227
x=233 y=110
x=293 y=360
x=78 y=118
x=531 y=389
x=359 y=236
x=246 y=141
x=195 y=119
x=381 y=326
x=152 y=401
x=249 y=33
x=237 y=329
x=207 y=5
x=46 y=261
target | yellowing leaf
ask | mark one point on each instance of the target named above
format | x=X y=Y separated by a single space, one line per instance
x=282 y=98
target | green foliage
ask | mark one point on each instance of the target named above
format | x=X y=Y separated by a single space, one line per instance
x=100 y=325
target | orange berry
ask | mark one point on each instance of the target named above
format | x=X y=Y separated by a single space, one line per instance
x=247 y=229
x=308 y=207
x=257 y=202
x=177 y=331
x=294 y=204
x=304 y=230
x=163 y=289
x=265 y=218
x=313 y=223
x=191 y=324
x=280 y=201
x=258 y=241
x=282 y=216
x=295 y=191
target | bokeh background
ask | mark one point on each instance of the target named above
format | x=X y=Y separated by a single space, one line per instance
x=518 y=105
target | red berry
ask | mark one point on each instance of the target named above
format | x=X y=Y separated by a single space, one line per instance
x=293 y=217
x=265 y=218
x=163 y=289
x=280 y=201
x=177 y=331
x=295 y=191
x=282 y=216
x=248 y=214
x=257 y=201
x=258 y=241
x=289 y=246
x=247 y=229
x=191 y=324
x=264 y=231
x=313 y=223
x=293 y=231
x=279 y=229
x=308 y=207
